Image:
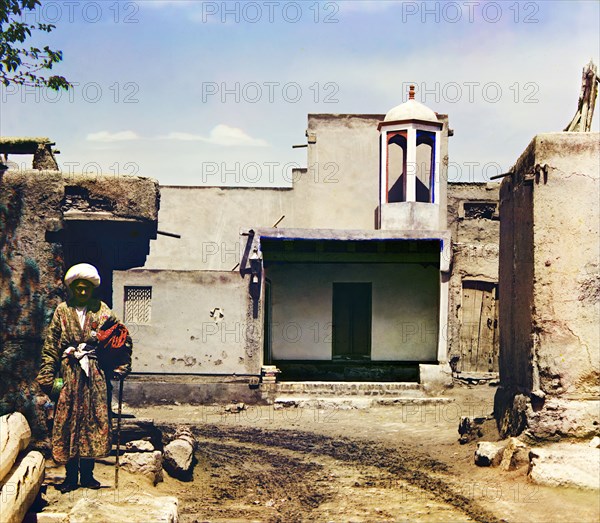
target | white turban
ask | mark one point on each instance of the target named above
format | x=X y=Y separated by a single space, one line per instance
x=82 y=271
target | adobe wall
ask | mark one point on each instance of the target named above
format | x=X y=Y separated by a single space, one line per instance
x=209 y=220
x=341 y=185
x=475 y=246
x=549 y=289
x=31 y=282
x=201 y=322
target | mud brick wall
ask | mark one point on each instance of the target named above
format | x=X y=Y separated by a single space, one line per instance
x=473 y=218
x=550 y=289
x=30 y=286
x=33 y=226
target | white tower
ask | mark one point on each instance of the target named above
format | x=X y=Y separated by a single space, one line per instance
x=412 y=190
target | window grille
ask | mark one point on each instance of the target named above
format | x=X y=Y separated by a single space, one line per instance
x=138 y=304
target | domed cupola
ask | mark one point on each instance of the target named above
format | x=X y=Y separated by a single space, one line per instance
x=410 y=167
x=411 y=110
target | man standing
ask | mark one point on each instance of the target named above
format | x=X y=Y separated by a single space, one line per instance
x=77 y=364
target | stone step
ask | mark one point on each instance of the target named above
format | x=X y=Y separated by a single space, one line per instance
x=324 y=388
x=352 y=402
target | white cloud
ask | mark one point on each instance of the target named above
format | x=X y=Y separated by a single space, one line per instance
x=108 y=137
x=221 y=135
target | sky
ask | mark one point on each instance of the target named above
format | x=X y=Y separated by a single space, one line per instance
x=217 y=93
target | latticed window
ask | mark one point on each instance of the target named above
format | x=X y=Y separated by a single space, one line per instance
x=138 y=302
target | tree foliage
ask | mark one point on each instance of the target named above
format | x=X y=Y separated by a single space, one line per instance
x=21 y=64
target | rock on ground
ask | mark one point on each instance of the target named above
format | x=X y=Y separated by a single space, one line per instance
x=148 y=464
x=515 y=455
x=139 y=445
x=235 y=407
x=135 y=509
x=566 y=466
x=46 y=517
x=470 y=429
x=488 y=454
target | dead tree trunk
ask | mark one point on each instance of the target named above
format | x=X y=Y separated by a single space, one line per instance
x=20 y=487
x=15 y=435
x=582 y=121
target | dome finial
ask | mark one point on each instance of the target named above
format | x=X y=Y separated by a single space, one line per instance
x=411 y=110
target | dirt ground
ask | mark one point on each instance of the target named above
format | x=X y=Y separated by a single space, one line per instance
x=390 y=463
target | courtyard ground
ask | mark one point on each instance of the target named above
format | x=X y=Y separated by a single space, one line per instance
x=386 y=463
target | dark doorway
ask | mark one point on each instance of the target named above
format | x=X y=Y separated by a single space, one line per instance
x=109 y=245
x=352 y=321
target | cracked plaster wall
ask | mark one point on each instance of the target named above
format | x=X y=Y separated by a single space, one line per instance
x=186 y=333
x=549 y=289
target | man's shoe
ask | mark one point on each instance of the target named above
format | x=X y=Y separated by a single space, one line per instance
x=72 y=475
x=66 y=486
x=92 y=483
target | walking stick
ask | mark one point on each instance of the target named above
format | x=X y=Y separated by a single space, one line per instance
x=118 y=431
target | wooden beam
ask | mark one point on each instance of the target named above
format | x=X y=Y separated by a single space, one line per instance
x=349 y=257
x=15 y=435
x=21 y=486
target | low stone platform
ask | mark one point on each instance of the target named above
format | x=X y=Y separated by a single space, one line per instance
x=349 y=371
x=566 y=465
x=351 y=402
x=333 y=388
x=139 y=508
x=349 y=395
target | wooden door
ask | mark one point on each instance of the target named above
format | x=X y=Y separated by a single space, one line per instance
x=352 y=321
x=479 y=327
